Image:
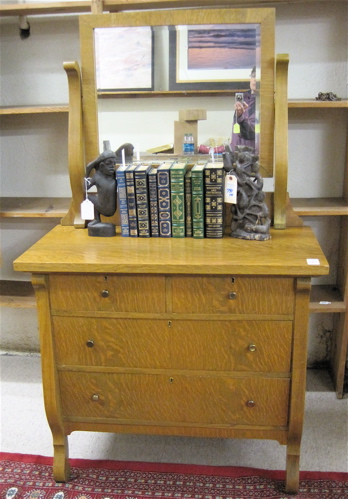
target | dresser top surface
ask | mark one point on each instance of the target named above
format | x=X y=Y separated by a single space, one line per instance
x=293 y=251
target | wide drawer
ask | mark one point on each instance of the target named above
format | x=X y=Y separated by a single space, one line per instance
x=233 y=295
x=251 y=346
x=121 y=293
x=160 y=398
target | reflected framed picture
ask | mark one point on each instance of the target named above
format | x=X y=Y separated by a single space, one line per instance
x=259 y=43
x=213 y=57
x=124 y=58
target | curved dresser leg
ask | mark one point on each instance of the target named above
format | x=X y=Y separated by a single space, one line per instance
x=292 y=473
x=50 y=379
x=61 y=466
x=298 y=384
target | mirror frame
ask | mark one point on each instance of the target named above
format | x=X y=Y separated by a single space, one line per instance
x=265 y=17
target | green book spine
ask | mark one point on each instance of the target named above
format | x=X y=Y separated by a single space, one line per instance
x=197 y=187
x=177 y=193
x=188 y=204
x=214 y=181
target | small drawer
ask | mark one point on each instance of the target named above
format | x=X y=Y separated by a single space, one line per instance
x=111 y=342
x=174 y=399
x=248 y=346
x=233 y=295
x=231 y=346
x=111 y=293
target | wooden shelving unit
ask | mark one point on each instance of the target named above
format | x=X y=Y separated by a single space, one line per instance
x=312 y=207
x=10 y=111
x=313 y=103
x=33 y=207
x=331 y=299
x=64 y=108
x=85 y=6
x=324 y=299
x=17 y=294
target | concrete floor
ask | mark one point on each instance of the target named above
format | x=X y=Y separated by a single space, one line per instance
x=24 y=429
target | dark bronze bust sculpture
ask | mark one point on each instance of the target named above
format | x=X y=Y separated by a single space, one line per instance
x=250 y=216
x=105 y=199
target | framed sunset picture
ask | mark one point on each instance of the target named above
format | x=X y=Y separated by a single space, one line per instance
x=218 y=56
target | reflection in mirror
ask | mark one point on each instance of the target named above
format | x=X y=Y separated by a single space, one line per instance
x=124 y=58
x=198 y=57
x=202 y=61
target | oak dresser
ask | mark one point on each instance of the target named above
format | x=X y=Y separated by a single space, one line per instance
x=191 y=337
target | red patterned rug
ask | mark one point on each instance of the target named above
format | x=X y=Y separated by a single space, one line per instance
x=30 y=477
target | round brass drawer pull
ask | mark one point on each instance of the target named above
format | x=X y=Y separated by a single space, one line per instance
x=232 y=295
x=105 y=293
x=250 y=403
x=90 y=343
x=252 y=347
x=95 y=397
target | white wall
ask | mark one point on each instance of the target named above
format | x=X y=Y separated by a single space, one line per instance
x=34 y=149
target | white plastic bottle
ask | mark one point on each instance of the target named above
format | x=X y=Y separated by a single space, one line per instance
x=191 y=148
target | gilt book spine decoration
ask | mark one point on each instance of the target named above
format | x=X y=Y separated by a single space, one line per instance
x=188 y=204
x=153 y=201
x=142 y=199
x=131 y=200
x=122 y=199
x=177 y=193
x=214 y=180
x=164 y=211
x=197 y=186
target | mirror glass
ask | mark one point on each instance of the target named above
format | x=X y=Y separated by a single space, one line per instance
x=194 y=60
x=198 y=57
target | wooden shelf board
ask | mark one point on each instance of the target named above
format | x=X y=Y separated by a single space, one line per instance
x=76 y=7
x=7 y=111
x=64 y=108
x=33 y=207
x=17 y=294
x=326 y=299
x=312 y=103
x=42 y=8
x=165 y=93
x=319 y=206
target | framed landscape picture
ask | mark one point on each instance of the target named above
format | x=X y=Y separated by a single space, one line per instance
x=124 y=58
x=209 y=57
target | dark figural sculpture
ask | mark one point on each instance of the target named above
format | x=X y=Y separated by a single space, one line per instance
x=105 y=199
x=330 y=96
x=128 y=153
x=250 y=216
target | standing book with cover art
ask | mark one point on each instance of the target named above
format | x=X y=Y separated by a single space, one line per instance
x=132 y=208
x=177 y=198
x=214 y=182
x=188 y=204
x=142 y=199
x=164 y=211
x=122 y=199
x=197 y=187
x=153 y=201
